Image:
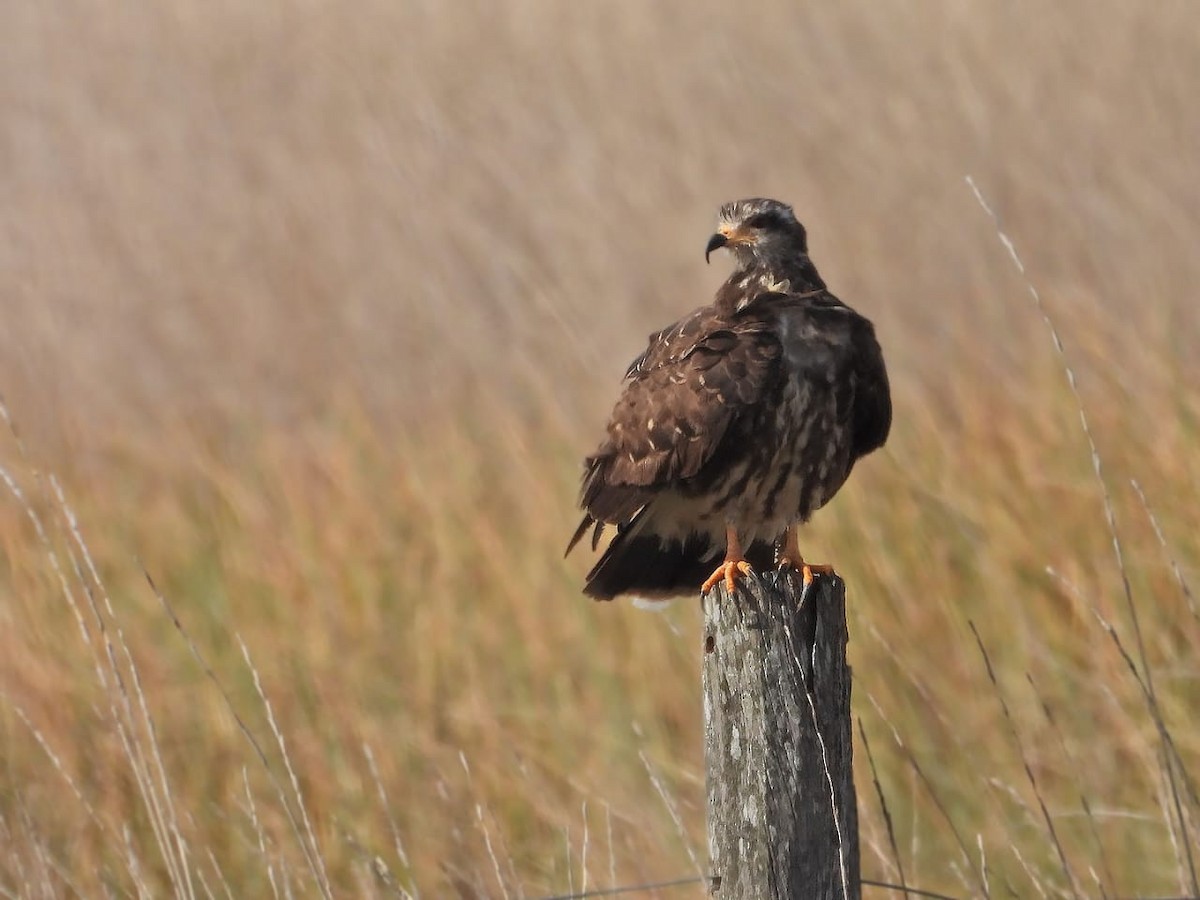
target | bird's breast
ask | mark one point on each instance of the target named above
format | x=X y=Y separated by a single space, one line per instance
x=792 y=460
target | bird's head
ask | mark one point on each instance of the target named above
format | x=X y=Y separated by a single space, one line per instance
x=758 y=231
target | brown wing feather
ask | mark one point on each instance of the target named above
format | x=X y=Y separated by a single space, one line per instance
x=873 y=405
x=680 y=398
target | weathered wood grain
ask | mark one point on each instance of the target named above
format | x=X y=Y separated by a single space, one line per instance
x=782 y=815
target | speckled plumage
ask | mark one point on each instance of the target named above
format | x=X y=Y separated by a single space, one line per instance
x=749 y=412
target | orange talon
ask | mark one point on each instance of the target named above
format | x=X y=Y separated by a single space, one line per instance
x=807 y=572
x=792 y=558
x=727 y=571
x=735 y=562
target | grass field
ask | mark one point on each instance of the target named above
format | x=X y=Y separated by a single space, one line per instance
x=313 y=309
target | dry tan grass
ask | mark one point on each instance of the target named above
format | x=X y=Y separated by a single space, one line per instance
x=314 y=307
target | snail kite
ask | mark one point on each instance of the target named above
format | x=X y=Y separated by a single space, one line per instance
x=736 y=423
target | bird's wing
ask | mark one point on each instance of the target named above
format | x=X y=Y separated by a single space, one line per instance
x=679 y=401
x=873 y=400
x=831 y=342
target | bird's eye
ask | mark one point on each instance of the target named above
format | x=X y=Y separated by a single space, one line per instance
x=760 y=220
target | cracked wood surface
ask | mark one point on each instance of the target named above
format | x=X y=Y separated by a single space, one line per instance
x=782 y=816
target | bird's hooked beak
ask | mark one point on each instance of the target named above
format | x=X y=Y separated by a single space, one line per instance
x=728 y=234
x=716 y=242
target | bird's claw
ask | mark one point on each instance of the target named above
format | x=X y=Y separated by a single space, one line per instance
x=808 y=573
x=727 y=571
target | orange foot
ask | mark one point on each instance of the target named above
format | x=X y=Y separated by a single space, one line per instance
x=791 y=558
x=727 y=570
x=735 y=562
x=807 y=572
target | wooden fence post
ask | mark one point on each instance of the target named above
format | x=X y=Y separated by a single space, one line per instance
x=782 y=815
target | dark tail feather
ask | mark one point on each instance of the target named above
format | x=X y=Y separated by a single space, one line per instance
x=636 y=562
x=580 y=532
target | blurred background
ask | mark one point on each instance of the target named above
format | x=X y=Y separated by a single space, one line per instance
x=311 y=310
